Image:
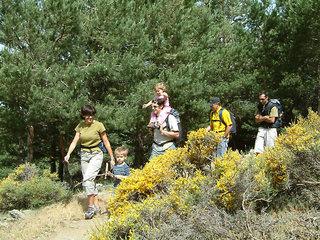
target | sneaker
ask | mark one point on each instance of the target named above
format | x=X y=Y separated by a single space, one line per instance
x=89 y=213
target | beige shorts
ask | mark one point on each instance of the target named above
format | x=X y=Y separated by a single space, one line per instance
x=266 y=137
x=90 y=165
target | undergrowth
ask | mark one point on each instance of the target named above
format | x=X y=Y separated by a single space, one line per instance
x=244 y=196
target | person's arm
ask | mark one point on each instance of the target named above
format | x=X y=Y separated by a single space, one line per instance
x=258 y=118
x=72 y=146
x=227 y=131
x=106 y=143
x=210 y=127
x=268 y=119
x=174 y=133
x=171 y=134
x=271 y=118
x=120 y=177
x=147 y=104
x=226 y=120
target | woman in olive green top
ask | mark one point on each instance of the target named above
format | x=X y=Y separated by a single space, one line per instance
x=90 y=133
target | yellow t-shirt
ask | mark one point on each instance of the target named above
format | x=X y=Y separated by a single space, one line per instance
x=90 y=134
x=215 y=123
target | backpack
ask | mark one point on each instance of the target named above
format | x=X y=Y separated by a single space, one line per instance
x=176 y=114
x=277 y=103
x=233 y=129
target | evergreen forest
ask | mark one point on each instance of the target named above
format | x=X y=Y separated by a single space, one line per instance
x=57 y=55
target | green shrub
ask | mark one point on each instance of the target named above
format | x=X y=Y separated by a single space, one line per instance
x=25 y=188
x=5 y=171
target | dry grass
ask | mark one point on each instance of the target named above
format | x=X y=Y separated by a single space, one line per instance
x=43 y=223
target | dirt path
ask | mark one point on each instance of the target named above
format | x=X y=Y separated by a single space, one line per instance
x=56 y=222
x=77 y=229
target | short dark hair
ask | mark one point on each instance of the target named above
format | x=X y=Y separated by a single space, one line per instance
x=87 y=110
x=160 y=101
x=264 y=93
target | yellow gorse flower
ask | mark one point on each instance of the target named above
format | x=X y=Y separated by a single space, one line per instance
x=173 y=180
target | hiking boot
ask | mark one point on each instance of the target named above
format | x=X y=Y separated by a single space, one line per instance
x=90 y=213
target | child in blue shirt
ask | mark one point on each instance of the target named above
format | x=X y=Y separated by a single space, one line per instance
x=121 y=170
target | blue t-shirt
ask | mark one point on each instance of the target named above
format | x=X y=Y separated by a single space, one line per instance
x=123 y=170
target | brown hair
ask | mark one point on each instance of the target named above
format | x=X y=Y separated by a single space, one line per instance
x=87 y=110
x=263 y=93
x=124 y=150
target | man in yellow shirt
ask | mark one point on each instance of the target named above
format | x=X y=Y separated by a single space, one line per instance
x=221 y=123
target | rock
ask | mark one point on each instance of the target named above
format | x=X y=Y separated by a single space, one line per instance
x=16 y=214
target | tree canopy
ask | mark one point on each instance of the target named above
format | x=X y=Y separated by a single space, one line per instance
x=61 y=54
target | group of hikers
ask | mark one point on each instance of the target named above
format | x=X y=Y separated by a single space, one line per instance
x=92 y=136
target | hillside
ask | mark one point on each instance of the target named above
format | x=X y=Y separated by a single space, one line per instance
x=54 y=222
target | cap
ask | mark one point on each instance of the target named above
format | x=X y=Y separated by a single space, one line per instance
x=214 y=100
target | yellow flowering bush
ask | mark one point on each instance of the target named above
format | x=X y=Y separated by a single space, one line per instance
x=26 y=188
x=23 y=172
x=303 y=135
x=161 y=171
x=276 y=160
x=225 y=172
x=173 y=182
x=138 y=216
x=155 y=177
x=185 y=191
x=201 y=145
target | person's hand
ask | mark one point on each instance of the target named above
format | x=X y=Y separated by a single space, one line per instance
x=144 y=105
x=109 y=174
x=258 y=118
x=161 y=129
x=66 y=158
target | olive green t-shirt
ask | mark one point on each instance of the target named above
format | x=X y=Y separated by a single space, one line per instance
x=90 y=134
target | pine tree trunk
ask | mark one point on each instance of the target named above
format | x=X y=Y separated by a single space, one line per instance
x=30 y=143
x=53 y=166
x=319 y=96
x=62 y=154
